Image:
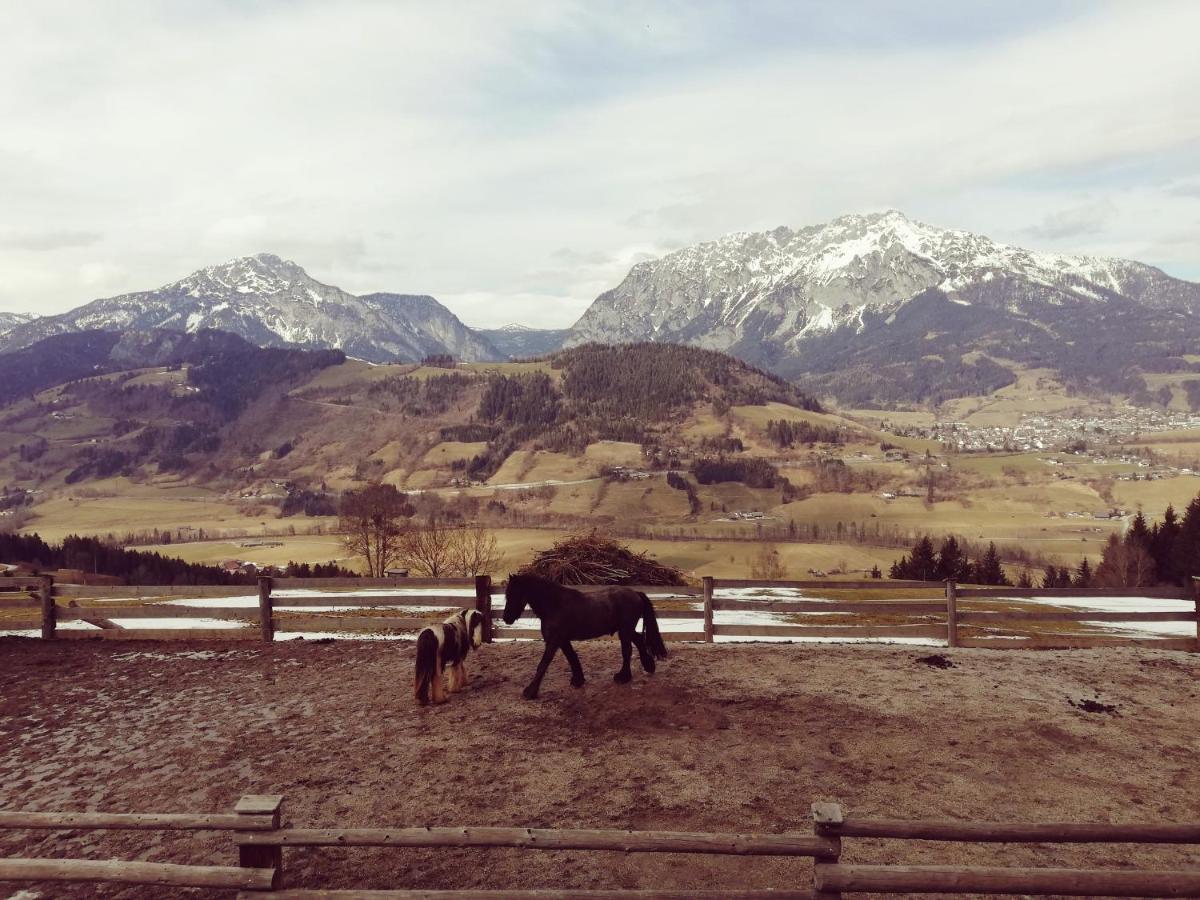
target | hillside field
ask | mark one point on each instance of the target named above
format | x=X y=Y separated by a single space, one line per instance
x=419 y=428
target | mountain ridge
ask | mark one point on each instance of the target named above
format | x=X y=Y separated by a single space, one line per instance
x=272 y=302
x=776 y=298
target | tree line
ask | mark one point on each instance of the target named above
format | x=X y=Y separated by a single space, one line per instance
x=949 y=562
x=1165 y=553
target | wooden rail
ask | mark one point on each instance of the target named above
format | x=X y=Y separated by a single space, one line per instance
x=991 y=880
x=535 y=894
x=124 y=872
x=261 y=842
x=1016 y=832
x=134 y=821
x=929 y=619
x=832 y=879
x=554 y=839
x=257 y=871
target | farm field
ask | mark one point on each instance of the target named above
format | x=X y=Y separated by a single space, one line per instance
x=1033 y=514
x=722 y=559
x=723 y=737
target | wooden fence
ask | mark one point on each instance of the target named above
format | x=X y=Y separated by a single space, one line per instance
x=261 y=840
x=961 y=616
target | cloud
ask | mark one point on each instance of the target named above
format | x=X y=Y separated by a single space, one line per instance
x=457 y=149
x=42 y=241
x=1086 y=219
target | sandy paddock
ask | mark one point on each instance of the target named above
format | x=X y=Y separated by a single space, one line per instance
x=723 y=738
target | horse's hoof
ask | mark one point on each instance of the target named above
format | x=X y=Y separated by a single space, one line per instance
x=529 y=694
x=623 y=677
x=577 y=682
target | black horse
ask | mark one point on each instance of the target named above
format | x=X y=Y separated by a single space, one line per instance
x=575 y=615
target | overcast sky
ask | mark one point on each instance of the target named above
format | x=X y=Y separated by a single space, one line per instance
x=514 y=158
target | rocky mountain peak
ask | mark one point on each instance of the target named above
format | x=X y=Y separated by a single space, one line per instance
x=778 y=298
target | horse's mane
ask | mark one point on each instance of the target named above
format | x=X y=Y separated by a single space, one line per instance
x=538 y=591
x=537 y=587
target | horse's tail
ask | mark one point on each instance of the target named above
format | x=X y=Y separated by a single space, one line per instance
x=427 y=664
x=654 y=641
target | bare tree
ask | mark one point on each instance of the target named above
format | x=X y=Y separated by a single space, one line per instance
x=475 y=551
x=369 y=521
x=1125 y=564
x=767 y=565
x=427 y=547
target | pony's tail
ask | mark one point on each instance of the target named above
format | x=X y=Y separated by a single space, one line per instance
x=654 y=641
x=427 y=665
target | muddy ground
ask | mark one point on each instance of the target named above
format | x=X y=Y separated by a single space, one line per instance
x=724 y=738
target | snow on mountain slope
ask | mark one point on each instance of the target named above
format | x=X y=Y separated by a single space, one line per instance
x=785 y=286
x=271 y=302
x=10 y=320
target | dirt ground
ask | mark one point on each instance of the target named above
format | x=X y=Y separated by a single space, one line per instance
x=724 y=738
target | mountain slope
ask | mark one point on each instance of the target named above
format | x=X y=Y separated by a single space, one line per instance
x=519 y=341
x=10 y=320
x=813 y=300
x=273 y=302
x=70 y=356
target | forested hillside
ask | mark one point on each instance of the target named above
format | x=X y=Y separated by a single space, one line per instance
x=617 y=393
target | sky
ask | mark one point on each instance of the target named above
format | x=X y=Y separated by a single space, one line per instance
x=514 y=159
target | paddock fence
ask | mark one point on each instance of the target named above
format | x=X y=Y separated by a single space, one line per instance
x=953 y=615
x=260 y=839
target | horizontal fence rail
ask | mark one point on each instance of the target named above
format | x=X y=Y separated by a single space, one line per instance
x=535 y=894
x=1016 y=832
x=70 y=821
x=122 y=872
x=261 y=841
x=555 y=839
x=954 y=619
x=991 y=880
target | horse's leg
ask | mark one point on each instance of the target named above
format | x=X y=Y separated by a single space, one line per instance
x=439 y=686
x=577 y=678
x=647 y=659
x=626 y=654
x=456 y=678
x=531 y=691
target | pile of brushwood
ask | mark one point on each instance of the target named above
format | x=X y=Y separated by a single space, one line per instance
x=593 y=558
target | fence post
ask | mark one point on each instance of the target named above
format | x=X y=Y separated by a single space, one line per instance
x=255 y=856
x=483 y=603
x=1196 y=600
x=826 y=818
x=708 y=582
x=951 y=614
x=266 y=616
x=49 y=613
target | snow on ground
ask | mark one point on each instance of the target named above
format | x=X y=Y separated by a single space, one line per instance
x=1129 y=604
x=342 y=601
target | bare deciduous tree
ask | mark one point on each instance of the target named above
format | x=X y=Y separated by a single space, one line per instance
x=427 y=547
x=433 y=549
x=476 y=552
x=1125 y=564
x=370 y=524
x=767 y=565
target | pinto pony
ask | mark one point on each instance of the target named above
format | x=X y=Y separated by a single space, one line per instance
x=446 y=646
x=569 y=615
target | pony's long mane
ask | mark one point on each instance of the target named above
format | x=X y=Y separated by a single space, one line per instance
x=445 y=644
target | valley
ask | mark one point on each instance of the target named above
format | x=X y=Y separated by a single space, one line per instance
x=831 y=393
x=1008 y=468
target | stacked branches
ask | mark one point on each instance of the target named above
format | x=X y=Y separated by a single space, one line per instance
x=593 y=558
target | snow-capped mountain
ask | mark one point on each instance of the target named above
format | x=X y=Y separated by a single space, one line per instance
x=10 y=320
x=785 y=298
x=273 y=302
x=520 y=341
